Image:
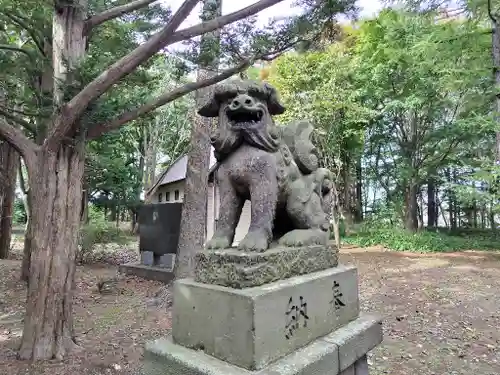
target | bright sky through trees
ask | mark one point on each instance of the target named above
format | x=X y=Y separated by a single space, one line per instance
x=368 y=8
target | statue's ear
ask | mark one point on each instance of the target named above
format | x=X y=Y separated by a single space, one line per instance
x=211 y=108
x=273 y=101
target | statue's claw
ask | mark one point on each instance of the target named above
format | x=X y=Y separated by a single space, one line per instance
x=304 y=237
x=218 y=243
x=254 y=241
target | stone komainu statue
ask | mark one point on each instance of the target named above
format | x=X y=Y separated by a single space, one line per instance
x=275 y=167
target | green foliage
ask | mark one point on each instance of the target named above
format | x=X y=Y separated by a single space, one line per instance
x=100 y=231
x=19 y=214
x=170 y=129
x=399 y=239
x=318 y=86
x=409 y=96
x=96 y=214
x=427 y=81
x=112 y=169
x=116 y=161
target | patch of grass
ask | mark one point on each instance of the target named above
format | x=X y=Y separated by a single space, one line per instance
x=438 y=240
x=101 y=232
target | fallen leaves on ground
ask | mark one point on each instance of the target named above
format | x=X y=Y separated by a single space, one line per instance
x=111 y=329
x=441 y=315
x=441 y=312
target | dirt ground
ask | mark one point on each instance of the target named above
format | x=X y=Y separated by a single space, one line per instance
x=441 y=316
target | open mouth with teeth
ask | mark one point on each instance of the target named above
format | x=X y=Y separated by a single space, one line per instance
x=243 y=118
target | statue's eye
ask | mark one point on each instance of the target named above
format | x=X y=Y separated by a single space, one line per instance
x=230 y=96
x=226 y=96
x=257 y=93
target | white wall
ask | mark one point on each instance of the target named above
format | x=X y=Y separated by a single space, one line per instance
x=213 y=207
x=243 y=224
x=170 y=189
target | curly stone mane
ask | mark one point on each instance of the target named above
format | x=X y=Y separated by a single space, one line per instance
x=233 y=130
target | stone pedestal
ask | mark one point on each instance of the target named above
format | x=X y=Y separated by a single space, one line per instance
x=307 y=324
x=254 y=326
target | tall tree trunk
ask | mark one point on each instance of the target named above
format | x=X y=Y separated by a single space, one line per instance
x=443 y=213
x=45 y=88
x=194 y=210
x=28 y=239
x=56 y=175
x=475 y=214
x=346 y=203
x=420 y=209
x=84 y=217
x=411 y=206
x=495 y=42
x=28 y=234
x=359 y=191
x=456 y=206
x=113 y=212
x=118 y=211
x=451 y=205
x=9 y=160
x=336 y=214
x=483 y=208
x=438 y=205
x=57 y=193
x=431 y=204
x=493 y=224
x=134 y=212
x=150 y=151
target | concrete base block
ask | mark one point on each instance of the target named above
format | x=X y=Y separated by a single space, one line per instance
x=253 y=327
x=167 y=261
x=356 y=339
x=147 y=258
x=146 y=272
x=360 y=367
x=321 y=357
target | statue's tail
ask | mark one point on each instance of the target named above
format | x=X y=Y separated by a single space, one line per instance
x=297 y=136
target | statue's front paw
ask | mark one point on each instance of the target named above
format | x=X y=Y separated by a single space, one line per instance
x=254 y=241
x=219 y=243
x=304 y=237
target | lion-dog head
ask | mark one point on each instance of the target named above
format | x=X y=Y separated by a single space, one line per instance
x=245 y=110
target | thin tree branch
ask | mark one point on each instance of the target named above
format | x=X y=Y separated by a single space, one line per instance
x=24 y=113
x=8 y=47
x=164 y=99
x=127 y=64
x=451 y=13
x=219 y=22
x=490 y=12
x=32 y=32
x=115 y=12
x=15 y=137
x=456 y=37
x=25 y=124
